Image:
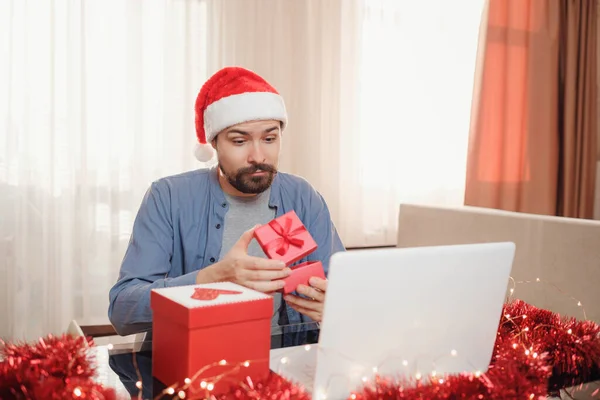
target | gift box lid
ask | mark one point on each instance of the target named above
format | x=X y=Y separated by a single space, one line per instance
x=203 y=305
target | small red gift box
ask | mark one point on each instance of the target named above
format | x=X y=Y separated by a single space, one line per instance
x=214 y=334
x=285 y=238
x=301 y=274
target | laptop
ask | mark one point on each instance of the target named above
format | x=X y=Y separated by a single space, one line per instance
x=404 y=312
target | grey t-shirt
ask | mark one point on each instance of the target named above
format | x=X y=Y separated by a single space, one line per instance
x=243 y=214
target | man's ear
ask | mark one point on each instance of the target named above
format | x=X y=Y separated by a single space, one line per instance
x=213 y=142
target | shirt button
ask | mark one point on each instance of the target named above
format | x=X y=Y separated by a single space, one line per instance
x=212 y=259
x=218 y=226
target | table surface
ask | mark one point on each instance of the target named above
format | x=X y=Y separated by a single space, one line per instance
x=123 y=365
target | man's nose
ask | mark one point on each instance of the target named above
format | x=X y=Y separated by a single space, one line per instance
x=256 y=153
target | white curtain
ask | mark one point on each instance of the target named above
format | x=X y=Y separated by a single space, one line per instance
x=417 y=71
x=98 y=102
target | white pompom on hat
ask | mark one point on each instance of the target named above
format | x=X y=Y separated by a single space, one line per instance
x=231 y=96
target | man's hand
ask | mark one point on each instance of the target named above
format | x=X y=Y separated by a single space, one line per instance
x=313 y=306
x=237 y=266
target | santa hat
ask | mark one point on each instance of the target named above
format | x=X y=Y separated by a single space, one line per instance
x=231 y=96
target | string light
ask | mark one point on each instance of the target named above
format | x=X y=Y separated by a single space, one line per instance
x=477 y=374
x=538 y=280
x=181 y=394
x=77 y=392
x=109 y=346
x=138 y=384
x=187 y=381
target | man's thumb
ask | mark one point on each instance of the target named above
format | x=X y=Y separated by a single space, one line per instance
x=244 y=240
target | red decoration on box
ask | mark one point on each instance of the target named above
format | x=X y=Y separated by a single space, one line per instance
x=210 y=341
x=301 y=274
x=211 y=294
x=285 y=238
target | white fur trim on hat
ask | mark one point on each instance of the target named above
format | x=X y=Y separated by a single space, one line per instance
x=204 y=152
x=235 y=109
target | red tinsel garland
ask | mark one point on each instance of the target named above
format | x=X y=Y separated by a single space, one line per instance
x=52 y=368
x=536 y=351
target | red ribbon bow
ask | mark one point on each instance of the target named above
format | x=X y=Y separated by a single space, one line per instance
x=211 y=294
x=282 y=243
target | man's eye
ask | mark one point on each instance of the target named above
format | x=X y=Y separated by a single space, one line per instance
x=238 y=142
x=270 y=139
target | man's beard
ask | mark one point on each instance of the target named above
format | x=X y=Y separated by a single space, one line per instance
x=244 y=182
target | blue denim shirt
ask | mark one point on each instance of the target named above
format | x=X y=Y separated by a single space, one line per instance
x=177 y=232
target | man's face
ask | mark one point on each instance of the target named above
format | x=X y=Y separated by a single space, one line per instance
x=248 y=154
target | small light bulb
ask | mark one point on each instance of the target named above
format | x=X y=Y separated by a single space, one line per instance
x=364 y=379
x=512 y=291
x=526 y=329
x=170 y=390
x=405 y=363
x=138 y=384
x=441 y=381
x=77 y=392
x=524 y=316
x=203 y=385
x=514 y=345
x=284 y=360
x=223 y=362
x=181 y=394
x=246 y=364
x=537 y=279
x=527 y=352
x=418 y=375
x=109 y=346
x=453 y=353
x=307 y=347
x=579 y=303
x=187 y=381
x=507 y=315
x=210 y=387
x=569 y=331
x=531 y=396
x=353 y=396
x=477 y=374
x=535 y=355
x=433 y=373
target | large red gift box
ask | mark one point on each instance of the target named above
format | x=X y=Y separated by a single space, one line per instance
x=216 y=335
x=286 y=238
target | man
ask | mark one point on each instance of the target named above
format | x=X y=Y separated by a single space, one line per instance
x=197 y=227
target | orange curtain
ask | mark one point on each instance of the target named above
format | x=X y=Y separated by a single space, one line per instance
x=533 y=134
